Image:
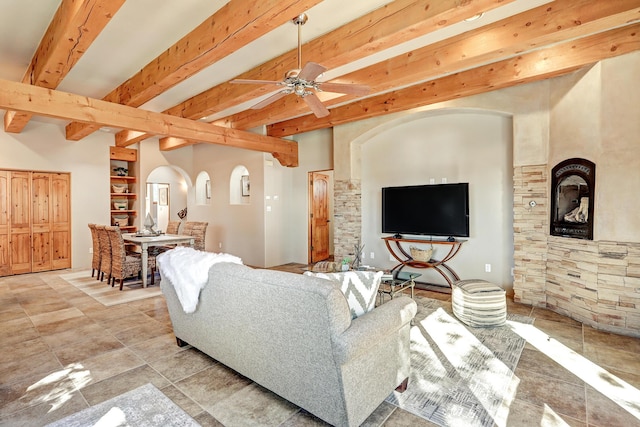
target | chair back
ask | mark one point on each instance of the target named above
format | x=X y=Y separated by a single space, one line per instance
x=198 y=230
x=118 y=251
x=173 y=227
x=105 y=251
x=95 y=260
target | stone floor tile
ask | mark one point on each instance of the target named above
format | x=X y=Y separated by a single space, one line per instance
x=205 y=419
x=110 y=364
x=566 y=333
x=190 y=406
x=543 y=313
x=525 y=414
x=122 y=382
x=45 y=413
x=252 y=406
x=611 y=357
x=211 y=385
x=84 y=332
x=142 y=332
x=183 y=364
x=562 y=398
x=23 y=349
x=603 y=412
x=56 y=316
x=158 y=347
x=302 y=418
x=87 y=348
x=38 y=363
x=536 y=361
x=606 y=339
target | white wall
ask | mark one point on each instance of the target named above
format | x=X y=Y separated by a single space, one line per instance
x=236 y=229
x=315 y=153
x=461 y=147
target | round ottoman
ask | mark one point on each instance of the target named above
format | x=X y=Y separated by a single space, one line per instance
x=479 y=303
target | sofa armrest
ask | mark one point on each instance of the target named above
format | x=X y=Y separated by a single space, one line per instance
x=366 y=330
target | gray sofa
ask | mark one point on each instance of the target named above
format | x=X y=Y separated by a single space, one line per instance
x=293 y=334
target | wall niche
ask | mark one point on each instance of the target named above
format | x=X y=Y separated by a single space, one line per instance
x=572 y=192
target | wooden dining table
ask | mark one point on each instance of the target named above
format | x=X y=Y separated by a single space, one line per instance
x=160 y=240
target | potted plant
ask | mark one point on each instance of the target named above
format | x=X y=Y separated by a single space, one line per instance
x=345 y=264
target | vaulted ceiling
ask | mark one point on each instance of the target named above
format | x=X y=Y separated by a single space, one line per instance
x=163 y=67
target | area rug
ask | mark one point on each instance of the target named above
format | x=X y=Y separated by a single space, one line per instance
x=460 y=376
x=107 y=295
x=146 y=406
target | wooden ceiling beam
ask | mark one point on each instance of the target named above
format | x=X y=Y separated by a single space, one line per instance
x=541 y=64
x=75 y=25
x=552 y=23
x=51 y=103
x=235 y=25
x=388 y=26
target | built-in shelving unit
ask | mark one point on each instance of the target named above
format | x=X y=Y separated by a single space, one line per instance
x=123 y=205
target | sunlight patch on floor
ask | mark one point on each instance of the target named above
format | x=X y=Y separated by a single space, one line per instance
x=622 y=393
x=58 y=387
x=551 y=419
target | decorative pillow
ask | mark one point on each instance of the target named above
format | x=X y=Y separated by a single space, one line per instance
x=359 y=287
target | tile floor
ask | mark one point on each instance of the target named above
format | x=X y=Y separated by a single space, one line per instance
x=63 y=351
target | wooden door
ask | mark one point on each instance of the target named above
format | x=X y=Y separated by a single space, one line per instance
x=5 y=255
x=41 y=229
x=319 y=217
x=60 y=221
x=20 y=221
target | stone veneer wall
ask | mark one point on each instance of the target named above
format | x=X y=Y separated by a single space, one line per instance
x=530 y=231
x=347 y=218
x=594 y=282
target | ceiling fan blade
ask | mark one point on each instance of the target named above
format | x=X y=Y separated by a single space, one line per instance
x=316 y=106
x=260 y=82
x=310 y=71
x=350 y=89
x=271 y=99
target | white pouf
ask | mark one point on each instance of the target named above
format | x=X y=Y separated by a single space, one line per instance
x=479 y=303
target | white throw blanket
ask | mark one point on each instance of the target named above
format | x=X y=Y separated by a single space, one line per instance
x=188 y=270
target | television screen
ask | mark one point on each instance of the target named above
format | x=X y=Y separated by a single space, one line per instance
x=432 y=210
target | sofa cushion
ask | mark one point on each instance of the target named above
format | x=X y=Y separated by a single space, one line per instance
x=359 y=287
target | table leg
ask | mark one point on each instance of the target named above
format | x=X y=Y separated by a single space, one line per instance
x=145 y=264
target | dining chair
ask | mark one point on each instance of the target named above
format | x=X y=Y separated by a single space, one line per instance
x=123 y=264
x=198 y=230
x=173 y=227
x=95 y=259
x=105 y=253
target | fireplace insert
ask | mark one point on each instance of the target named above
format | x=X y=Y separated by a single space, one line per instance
x=572 y=191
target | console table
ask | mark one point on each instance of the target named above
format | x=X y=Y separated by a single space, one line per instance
x=394 y=246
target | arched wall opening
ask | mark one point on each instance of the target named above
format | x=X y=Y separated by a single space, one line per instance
x=239 y=186
x=166 y=195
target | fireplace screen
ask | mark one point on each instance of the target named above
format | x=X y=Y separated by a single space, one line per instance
x=572 y=190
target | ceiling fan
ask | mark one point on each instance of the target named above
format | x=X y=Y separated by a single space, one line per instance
x=301 y=81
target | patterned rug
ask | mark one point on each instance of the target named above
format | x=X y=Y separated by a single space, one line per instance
x=107 y=295
x=460 y=376
x=145 y=406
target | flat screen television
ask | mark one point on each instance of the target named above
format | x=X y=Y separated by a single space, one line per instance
x=432 y=210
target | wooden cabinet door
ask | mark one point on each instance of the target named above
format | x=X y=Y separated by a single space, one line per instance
x=60 y=221
x=20 y=221
x=41 y=229
x=5 y=258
